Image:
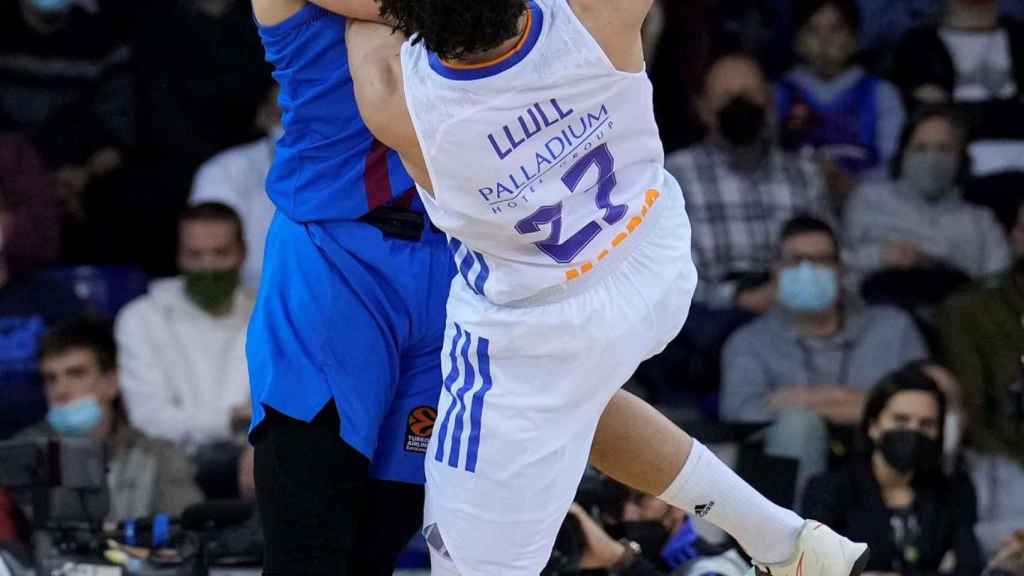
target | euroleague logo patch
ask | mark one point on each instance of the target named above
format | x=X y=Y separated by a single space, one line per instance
x=420 y=426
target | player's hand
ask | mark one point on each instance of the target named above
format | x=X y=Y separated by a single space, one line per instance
x=246 y=474
x=836 y=403
x=240 y=417
x=839 y=183
x=791 y=397
x=902 y=254
x=602 y=551
x=758 y=300
x=71 y=183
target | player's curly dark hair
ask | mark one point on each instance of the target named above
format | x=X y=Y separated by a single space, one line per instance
x=455 y=28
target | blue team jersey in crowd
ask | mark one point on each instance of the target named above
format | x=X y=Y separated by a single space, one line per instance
x=327 y=166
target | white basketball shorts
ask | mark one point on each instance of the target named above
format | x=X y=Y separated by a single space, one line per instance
x=524 y=388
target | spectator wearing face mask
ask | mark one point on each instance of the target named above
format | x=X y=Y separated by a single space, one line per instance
x=29 y=302
x=182 y=345
x=631 y=533
x=236 y=178
x=830 y=105
x=811 y=360
x=740 y=188
x=912 y=239
x=983 y=339
x=895 y=496
x=79 y=366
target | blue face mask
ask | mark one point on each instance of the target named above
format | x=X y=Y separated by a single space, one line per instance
x=808 y=287
x=77 y=418
x=50 y=5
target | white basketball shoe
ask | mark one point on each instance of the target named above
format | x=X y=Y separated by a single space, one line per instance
x=819 y=552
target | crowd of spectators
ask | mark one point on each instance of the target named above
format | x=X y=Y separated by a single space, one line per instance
x=852 y=173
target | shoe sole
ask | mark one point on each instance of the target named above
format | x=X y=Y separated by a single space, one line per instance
x=862 y=561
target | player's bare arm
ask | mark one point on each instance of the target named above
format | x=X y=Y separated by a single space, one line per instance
x=271 y=12
x=616 y=25
x=374 y=54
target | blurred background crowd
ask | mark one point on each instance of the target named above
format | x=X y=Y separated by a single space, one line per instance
x=854 y=176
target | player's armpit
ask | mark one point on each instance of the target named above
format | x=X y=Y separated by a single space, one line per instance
x=616 y=25
x=359 y=9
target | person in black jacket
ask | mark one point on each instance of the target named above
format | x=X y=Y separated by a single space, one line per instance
x=972 y=57
x=895 y=497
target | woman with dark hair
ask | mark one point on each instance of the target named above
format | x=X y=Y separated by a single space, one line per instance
x=912 y=238
x=895 y=496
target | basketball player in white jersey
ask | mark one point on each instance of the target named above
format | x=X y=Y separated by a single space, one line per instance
x=529 y=128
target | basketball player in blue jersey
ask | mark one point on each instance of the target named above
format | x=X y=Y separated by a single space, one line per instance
x=528 y=127
x=345 y=341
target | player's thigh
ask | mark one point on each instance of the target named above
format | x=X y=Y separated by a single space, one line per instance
x=311 y=489
x=409 y=423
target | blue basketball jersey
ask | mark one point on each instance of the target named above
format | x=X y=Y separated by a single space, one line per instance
x=344 y=313
x=327 y=166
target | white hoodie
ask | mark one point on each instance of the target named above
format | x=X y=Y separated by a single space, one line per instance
x=181 y=369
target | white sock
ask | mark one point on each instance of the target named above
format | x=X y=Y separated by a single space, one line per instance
x=712 y=491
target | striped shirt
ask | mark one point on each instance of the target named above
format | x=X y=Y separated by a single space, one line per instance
x=736 y=215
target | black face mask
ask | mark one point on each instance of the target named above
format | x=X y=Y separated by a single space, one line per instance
x=741 y=122
x=651 y=535
x=909 y=451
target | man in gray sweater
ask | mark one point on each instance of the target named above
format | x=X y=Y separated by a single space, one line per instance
x=811 y=359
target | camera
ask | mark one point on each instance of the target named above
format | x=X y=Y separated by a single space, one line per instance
x=62 y=482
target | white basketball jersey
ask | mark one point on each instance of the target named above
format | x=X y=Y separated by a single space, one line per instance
x=543 y=163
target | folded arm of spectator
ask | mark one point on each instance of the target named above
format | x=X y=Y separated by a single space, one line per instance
x=837 y=404
x=152 y=404
x=746 y=395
